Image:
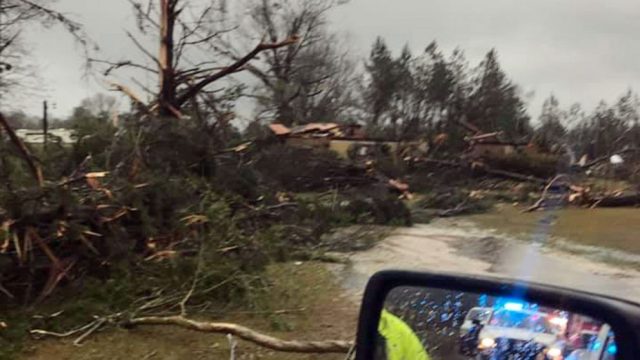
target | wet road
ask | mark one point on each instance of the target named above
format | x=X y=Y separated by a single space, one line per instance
x=460 y=245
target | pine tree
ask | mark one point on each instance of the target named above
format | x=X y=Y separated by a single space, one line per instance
x=551 y=131
x=382 y=84
x=495 y=102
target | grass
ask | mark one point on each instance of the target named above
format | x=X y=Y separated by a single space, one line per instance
x=614 y=228
x=303 y=302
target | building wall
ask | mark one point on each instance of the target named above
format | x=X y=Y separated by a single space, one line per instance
x=342 y=146
x=307 y=142
x=65 y=136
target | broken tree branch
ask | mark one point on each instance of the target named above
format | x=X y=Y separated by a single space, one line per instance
x=512 y=175
x=125 y=90
x=507 y=174
x=194 y=90
x=469 y=126
x=24 y=151
x=318 y=347
x=85 y=331
x=486 y=169
x=617 y=201
x=600 y=159
x=117 y=65
x=545 y=194
x=142 y=49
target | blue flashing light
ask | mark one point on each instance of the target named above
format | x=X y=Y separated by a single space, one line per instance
x=612 y=349
x=514 y=306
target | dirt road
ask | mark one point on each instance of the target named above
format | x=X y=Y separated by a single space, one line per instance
x=460 y=245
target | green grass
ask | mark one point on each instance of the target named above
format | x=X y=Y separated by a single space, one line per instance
x=301 y=301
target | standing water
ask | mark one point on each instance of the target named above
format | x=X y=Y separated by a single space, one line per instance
x=584 y=249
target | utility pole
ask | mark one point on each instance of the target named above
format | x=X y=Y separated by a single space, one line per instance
x=45 y=123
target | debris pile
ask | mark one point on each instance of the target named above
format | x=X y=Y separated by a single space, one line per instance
x=154 y=204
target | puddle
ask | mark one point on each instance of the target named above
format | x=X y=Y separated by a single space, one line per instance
x=463 y=245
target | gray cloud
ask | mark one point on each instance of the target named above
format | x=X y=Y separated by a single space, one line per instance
x=581 y=50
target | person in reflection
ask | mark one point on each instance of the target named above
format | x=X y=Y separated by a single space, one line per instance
x=397 y=341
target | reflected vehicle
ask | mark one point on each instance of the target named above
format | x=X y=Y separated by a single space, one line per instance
x=477 y=314
x=516 y=330
x=474 y=322
x=462 y=326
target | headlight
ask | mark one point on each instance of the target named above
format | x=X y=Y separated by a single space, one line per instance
x=554 y=353
x=486 y=343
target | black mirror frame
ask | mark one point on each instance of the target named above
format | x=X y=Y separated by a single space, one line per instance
x=623 y=316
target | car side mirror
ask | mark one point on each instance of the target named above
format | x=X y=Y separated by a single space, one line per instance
x=411 y=315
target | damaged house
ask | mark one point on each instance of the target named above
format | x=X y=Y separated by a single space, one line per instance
x=347 y=140
x=492 y=146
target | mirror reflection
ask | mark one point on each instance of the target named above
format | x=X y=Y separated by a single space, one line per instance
x=435 y=324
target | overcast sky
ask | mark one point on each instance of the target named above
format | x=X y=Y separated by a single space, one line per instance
x=580 y=50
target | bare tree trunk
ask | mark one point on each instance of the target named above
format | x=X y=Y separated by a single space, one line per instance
x=167 y=97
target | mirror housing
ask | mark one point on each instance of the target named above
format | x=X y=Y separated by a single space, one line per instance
x=623 y=316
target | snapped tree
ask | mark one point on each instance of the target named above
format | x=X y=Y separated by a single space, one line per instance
x=186 y=64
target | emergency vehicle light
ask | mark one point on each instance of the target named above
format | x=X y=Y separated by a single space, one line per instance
x=514 y=306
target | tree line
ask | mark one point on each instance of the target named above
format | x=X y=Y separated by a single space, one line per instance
x=413 y=96
x=301 y=71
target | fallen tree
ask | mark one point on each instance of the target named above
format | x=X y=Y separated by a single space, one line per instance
x=508 y=174
x=484 y=168
x=553 y=198
x=245 y=333
x=561 y=191
x=270 y=342
x=617 y=201
x=605 y=158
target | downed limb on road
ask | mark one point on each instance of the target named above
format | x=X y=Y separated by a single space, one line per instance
x=318 y=347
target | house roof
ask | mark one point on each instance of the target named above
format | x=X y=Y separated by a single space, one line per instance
x=311 y=127
x=279 y=129
x=328 y=129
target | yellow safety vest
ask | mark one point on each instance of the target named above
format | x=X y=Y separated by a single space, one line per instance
x=402 y=342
